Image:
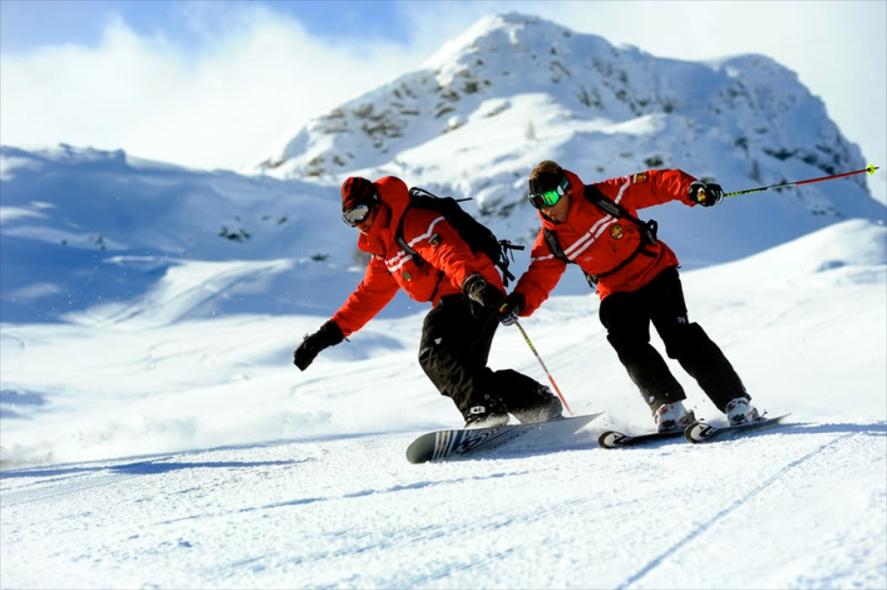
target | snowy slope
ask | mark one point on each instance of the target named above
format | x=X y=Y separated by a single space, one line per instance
x=303 y=482
x=83 y=229
x=154 y=433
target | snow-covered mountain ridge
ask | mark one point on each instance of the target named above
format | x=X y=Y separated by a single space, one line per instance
x=516 y=89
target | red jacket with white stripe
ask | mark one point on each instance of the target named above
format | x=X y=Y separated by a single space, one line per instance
x=599 y=242
x=449 y=260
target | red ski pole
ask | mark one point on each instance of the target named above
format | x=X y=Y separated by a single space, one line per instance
x=870 y=169
x=544 y=368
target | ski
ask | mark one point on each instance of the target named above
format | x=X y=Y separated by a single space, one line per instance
x=612 y=439
x=700 y=431
x=449 y=444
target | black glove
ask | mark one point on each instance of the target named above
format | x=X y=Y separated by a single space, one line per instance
x=509 y=310
x=477 y=289
x=707 y=194
x=328 y=335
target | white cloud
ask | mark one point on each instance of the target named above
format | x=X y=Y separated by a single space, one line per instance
x=245 y=91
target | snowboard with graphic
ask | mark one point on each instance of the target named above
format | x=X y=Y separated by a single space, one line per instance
x=449 y=444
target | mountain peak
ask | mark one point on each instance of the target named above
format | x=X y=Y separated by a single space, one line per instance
x=515 y=89
x=493 y=32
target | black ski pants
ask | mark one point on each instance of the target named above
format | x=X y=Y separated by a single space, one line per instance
x=627 y=317
x=454 y=351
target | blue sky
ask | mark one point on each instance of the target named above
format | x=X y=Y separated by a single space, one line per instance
x=157 y=77
x=30 y=24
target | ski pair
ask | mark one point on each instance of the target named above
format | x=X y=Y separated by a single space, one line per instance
x=697 y=431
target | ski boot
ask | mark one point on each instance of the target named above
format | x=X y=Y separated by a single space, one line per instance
x=487 y=414
x=739 y=411
x=672 y=416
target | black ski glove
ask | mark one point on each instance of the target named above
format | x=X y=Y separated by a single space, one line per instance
x=707 y=194
x=509 y=310
x=328 y=335
x=477 y=289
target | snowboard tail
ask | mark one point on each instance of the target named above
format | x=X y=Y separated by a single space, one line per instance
x=449 y=444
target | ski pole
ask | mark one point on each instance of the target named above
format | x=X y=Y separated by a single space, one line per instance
x=544 y=368
x=870 y=169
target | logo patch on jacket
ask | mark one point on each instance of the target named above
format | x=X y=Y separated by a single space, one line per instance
x=640 y=177
x=407 y=276
x=616 y=231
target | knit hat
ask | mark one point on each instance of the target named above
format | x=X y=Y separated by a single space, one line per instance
x=357 y=190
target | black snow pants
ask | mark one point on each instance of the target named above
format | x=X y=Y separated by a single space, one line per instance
x=454 y=351
x=627 y=317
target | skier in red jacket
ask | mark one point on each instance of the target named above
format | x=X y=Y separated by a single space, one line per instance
x=466 y=293
x=596 y=227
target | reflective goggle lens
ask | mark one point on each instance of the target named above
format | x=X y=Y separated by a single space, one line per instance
x=547 y=198
x=356 y=214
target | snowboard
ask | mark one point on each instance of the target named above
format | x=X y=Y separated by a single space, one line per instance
x=450 y=444
x=700 y=431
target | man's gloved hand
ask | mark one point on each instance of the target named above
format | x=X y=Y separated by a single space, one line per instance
x=477 y=289
x=707 y=194
x=509 y=310
x=328 y=335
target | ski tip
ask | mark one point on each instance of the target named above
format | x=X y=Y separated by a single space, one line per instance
x=610 y=439
x=697 y=431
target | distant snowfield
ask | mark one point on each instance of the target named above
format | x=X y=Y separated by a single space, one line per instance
x=191 y=453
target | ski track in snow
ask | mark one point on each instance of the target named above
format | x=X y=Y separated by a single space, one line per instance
x=272 y=516
x=739 y=503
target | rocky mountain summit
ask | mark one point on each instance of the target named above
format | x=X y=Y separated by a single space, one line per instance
x=515 y=89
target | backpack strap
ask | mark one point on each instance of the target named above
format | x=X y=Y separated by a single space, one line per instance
x=555 y=246
x=411 y=252
x=398 y=237
x=648 y=229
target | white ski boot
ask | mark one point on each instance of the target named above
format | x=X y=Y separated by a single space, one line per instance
x=672 y=417
x=739 y=411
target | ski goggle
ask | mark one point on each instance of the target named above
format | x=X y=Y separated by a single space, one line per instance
x=356 y=214
x=545 y=199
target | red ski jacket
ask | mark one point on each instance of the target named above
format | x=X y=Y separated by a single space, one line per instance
x=449 y=260
x=599 y=242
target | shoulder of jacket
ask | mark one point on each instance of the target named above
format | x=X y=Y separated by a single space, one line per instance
x=419 y=223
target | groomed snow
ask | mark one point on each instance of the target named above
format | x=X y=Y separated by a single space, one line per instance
x=192 y=454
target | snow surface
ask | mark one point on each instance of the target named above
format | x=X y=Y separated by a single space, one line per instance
x=154 y=433
x=248 y=473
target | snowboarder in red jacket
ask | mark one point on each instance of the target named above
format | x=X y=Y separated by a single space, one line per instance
x=596 y=227
x=466 y=293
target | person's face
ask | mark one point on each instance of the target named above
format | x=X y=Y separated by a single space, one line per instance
x=558 y=212
x=365 y=225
